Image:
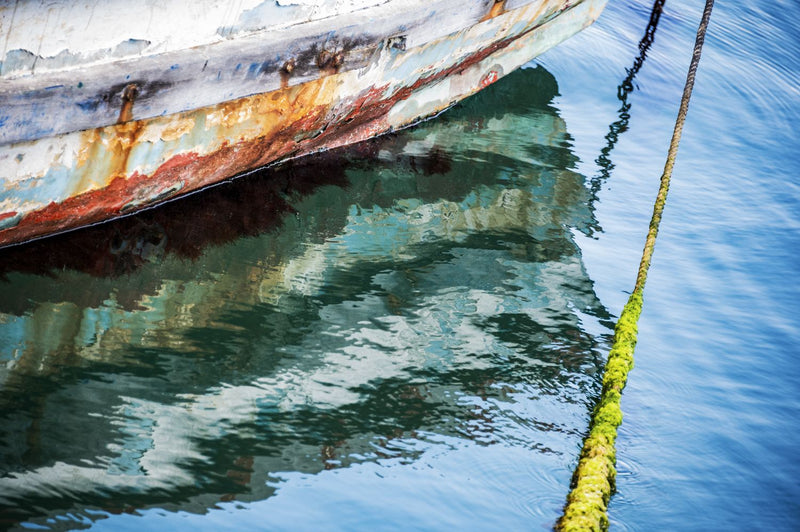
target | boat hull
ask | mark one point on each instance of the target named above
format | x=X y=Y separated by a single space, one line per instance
x=76 y=178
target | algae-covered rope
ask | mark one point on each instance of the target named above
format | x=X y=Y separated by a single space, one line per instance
x=594 y=478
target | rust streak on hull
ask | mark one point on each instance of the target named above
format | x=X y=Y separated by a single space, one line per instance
x=498 y=8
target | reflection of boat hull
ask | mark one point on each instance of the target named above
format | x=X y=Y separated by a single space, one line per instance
x=350 y=88
x=423 y=283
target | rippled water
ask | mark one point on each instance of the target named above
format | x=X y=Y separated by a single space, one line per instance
x=408 y=333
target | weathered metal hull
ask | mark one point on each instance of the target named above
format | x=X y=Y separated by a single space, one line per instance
x=330 y=88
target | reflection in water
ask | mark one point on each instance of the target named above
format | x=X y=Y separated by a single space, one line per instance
x=366 y=304
x=623 y=90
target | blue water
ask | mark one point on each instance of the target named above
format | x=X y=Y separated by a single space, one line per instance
x=708 y=441
x=408 y=334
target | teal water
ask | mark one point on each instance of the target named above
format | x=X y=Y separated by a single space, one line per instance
x=408 y=333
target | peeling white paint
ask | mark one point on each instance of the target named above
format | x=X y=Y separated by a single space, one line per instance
x=48 y=35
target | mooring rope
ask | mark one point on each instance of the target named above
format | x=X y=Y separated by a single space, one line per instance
x=594 y=478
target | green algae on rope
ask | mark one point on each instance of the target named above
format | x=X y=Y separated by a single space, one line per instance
x=594 y=479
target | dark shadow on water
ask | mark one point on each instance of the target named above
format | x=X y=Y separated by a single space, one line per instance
x=243 y=207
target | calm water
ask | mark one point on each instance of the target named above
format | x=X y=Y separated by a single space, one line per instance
x=408 y=333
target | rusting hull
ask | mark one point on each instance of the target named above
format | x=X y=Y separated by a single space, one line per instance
x=360 y=88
